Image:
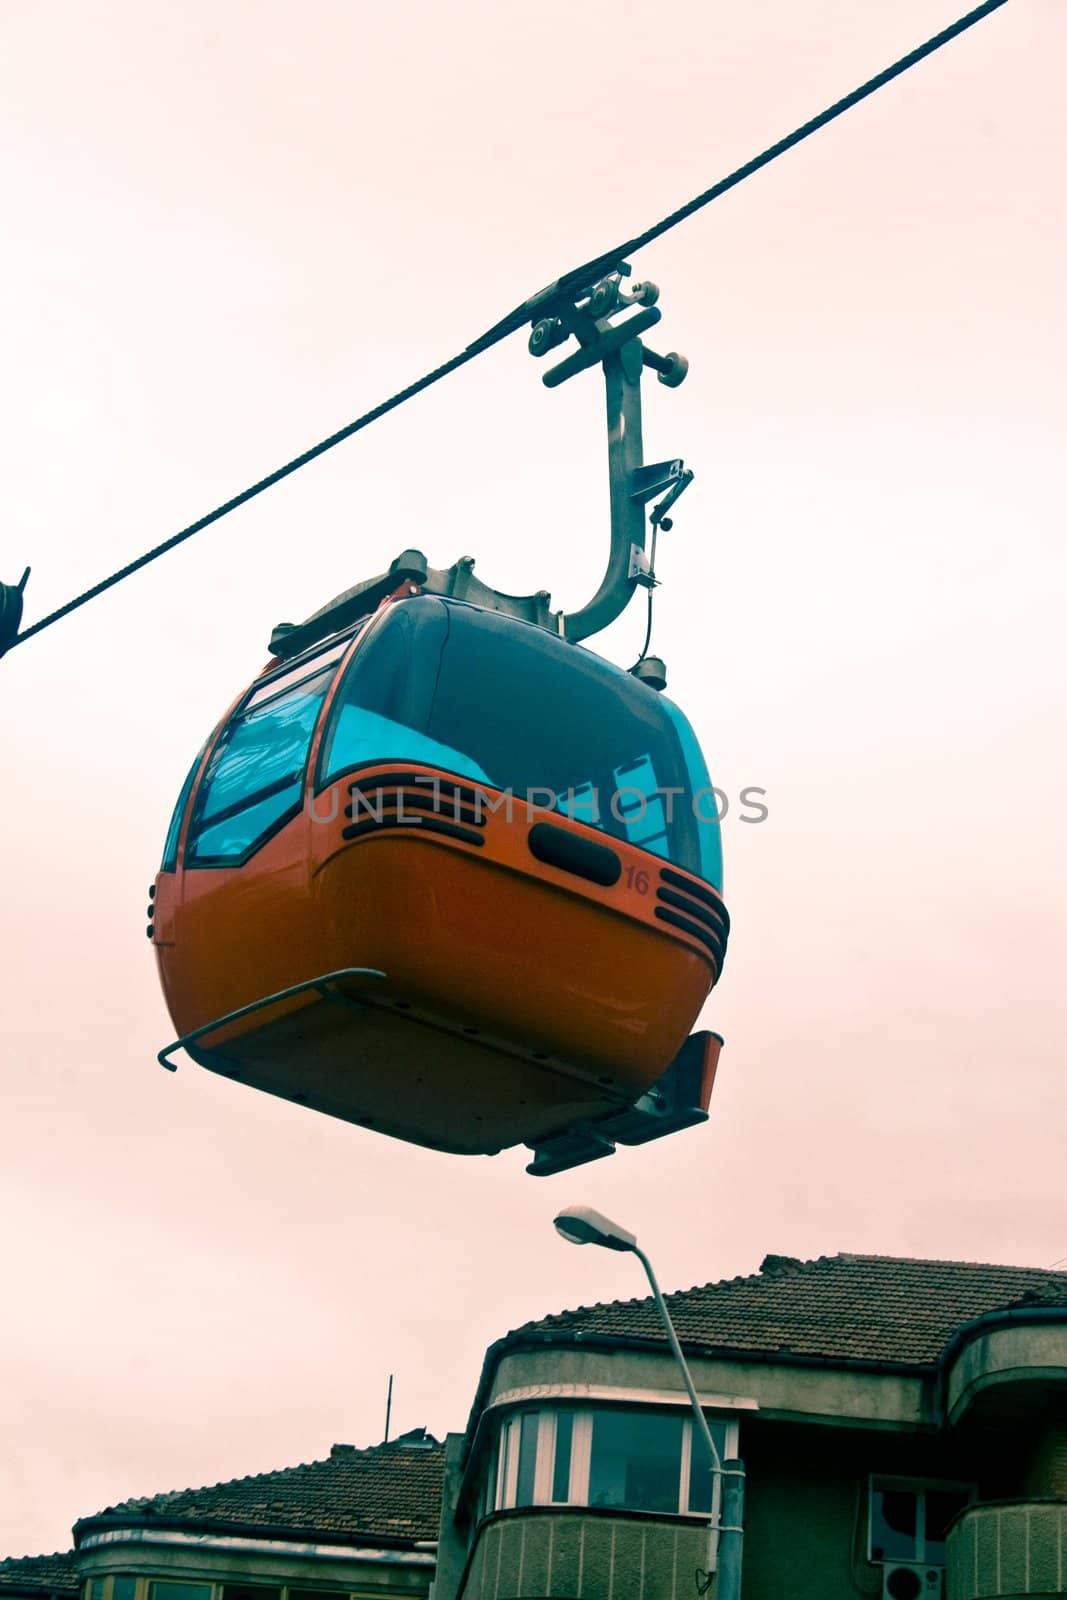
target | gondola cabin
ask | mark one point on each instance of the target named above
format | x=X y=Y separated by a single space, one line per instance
x=454 y=878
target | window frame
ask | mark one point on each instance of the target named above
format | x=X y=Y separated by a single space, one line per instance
x=173 y=840
x=499 y=1493
x=919 y=1487
x=215 y=1586
x=154 y=1584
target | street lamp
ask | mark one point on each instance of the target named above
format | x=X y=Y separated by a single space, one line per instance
x=583 y=1225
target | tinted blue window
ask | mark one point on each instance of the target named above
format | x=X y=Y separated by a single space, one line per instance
x=701 y=797
x=255 y=776
x=170 y=847
x=513 y=707
x=361 y=736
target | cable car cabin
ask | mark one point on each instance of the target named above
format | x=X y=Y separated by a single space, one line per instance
x=455 y=879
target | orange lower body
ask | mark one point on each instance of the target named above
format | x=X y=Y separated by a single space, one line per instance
x=517 y=999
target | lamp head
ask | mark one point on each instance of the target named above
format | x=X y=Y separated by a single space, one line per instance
x=583 y=1225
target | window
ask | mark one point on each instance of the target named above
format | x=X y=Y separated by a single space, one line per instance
x=124 y=1586
x=561 y=1465
x=254 y=779
x=170 y=848
x=635 y=1461
x=512 y=707
x=613 y=1457
x=161 y=1589
x=909 y=1518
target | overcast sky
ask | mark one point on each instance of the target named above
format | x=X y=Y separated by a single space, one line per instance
x=231 y=228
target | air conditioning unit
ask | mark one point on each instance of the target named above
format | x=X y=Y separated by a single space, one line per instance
x=908 y=1580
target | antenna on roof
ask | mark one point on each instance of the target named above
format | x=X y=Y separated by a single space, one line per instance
x=388 y=1408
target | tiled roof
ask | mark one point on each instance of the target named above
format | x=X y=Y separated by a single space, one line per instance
x=41 y=1574
x=844 y=1307
x=388 y=1494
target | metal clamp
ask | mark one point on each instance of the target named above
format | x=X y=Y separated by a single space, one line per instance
x=321 y=985
x=11 y=611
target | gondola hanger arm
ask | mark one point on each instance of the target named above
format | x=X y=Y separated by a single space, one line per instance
x=607 y=320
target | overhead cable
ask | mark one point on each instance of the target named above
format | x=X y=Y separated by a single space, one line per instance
x=579 y=278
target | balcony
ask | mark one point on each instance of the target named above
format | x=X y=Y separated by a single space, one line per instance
x=1007 y=1549
x=585 y=1555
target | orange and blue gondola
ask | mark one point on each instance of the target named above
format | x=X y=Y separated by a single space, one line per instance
x=478 y=867
x=444 y=872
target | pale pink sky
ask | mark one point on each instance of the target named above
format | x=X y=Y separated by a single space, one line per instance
x=230 y=229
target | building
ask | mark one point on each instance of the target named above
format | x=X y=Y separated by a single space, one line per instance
x=40 y=1577
x=903 y=1426
x=360 y=1525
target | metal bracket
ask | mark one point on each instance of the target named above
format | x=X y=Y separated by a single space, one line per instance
x=647 y=482
x=679 y=1099
x=11 y=611
x=457 y=581
x=321 y=984
x=641 y=567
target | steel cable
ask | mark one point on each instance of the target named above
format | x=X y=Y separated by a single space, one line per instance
x=579 y=277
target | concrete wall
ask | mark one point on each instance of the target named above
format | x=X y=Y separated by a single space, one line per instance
x=1046 y=1468
x=849 y=1398
x=806 y=1505
x=1008 y=1551
x=1015 y=1354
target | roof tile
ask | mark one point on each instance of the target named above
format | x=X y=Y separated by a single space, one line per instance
x=55 y=1574
x=846 y=1307
x=390 y=1491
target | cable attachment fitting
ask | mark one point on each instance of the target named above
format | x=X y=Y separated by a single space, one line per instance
x=602 y=316
x=11 y=611
x=578 y=309
x=658 y=517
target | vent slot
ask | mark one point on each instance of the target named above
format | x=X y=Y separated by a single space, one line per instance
x=449 y=808
x=696 y=930
x=420 y=781
x=597 y=863
x=691 y=908
x=391 y=823
x=696 y=891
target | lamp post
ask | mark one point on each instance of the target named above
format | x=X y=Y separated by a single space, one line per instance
x=583 y=1225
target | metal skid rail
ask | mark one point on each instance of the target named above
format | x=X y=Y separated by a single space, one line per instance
x=671 y=1105
x=321 y=985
